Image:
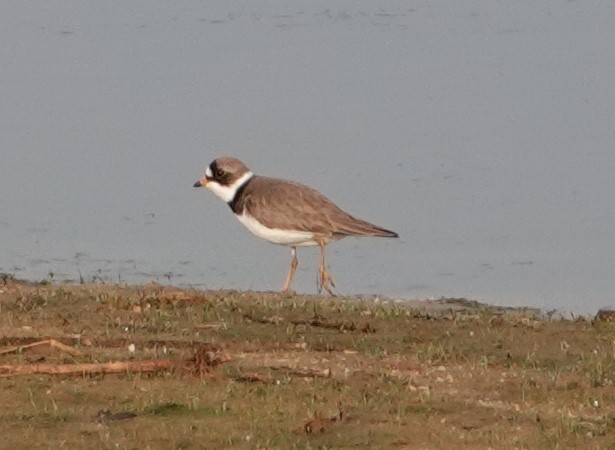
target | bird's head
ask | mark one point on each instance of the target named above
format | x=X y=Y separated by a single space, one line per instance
x=224 y=176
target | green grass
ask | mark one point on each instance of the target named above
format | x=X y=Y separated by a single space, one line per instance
x=304 y=373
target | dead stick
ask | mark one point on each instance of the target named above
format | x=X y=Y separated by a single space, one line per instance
x=153 y=365
x=342 y=326
x=324 y=373
x=254 y=377
x=51 y=342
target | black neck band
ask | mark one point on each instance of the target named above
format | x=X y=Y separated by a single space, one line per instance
x=233 y=203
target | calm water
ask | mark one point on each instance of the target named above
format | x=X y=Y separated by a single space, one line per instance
x=483 y=132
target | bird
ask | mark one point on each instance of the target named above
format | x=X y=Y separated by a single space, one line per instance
x=285 y=212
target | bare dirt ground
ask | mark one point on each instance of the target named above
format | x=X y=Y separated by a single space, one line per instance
x=154 y=367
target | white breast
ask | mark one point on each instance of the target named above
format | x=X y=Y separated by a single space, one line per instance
x=276 y=235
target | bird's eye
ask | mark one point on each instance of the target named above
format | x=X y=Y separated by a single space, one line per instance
x=219 y=173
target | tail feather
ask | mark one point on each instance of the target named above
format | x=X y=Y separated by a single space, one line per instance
x=358 y=227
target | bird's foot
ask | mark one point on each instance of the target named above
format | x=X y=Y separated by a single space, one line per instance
x=325 y=281
x=287 y=293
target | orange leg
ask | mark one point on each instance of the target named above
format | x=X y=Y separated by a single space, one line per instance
x=325 y=280
x=291 y=273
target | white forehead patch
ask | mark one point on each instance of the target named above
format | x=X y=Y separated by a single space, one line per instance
x=208 y=173
x=227 y=193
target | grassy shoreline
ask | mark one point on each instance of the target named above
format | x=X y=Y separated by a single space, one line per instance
x=302 y=372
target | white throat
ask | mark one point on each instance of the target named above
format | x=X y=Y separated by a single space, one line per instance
x=227 y=193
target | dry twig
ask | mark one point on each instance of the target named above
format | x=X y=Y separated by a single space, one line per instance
x=254 y=378
x=305 y=373
x=51 y=342
x=341 y=326
x=154 y=365
x=206 y=358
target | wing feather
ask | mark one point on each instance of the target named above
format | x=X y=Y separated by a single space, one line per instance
x=293 y=206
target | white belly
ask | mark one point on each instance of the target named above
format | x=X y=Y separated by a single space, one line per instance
x=275 y=235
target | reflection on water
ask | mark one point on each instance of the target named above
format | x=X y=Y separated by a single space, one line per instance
x=483 y=136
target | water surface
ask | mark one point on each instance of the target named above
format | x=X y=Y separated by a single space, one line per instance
x=482 y=132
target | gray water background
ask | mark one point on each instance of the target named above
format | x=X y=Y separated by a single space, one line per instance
x=481 y=131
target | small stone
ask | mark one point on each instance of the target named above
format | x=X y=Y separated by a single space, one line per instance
x=607 y=314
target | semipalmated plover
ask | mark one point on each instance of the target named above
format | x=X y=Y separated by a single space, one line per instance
x=284 y=212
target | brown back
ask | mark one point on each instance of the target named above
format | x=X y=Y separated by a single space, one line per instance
x=293 y=206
